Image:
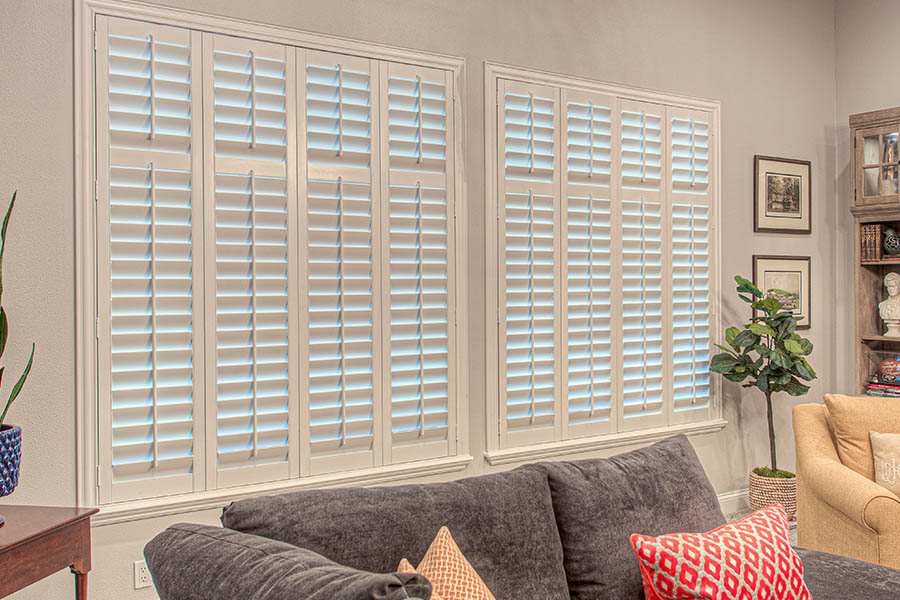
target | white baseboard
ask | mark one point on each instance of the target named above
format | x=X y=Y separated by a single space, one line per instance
x=735 y=501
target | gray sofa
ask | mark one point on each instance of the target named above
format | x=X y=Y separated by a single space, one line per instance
x=545 y=531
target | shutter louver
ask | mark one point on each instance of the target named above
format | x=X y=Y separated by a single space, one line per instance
x=690 y=199
x=151 y=233
x=528 y=312
x=588 y=251
x=344 y=383
x=643 y=268
x=420 y=266
x=250 y=190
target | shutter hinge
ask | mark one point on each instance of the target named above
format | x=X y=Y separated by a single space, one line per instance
x=96 y=190
x=98 y=475
x=97 y=328
x=95 y=40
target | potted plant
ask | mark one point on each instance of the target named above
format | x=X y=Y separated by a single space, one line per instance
x=10 y=435
x=769 y=355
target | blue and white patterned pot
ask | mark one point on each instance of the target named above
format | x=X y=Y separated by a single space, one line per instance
x=10 y=457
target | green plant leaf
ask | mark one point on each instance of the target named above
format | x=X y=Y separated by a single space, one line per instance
x=3 y=239
x=761 y=329
x=782 y=360
x=793 y=347
x=18 y=387
x=723 y=363
x=745 y=285
x=762 y=350
x=4 y=330
x=746 y=338
x=762 y=382
x=804 y=370
x=724 y=348
x=731 y=333
x=746 y=299
x=795 y=388
x=806 y=345
x=736 y=377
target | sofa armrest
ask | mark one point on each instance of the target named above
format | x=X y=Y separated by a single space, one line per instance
x=200 y=562
x=862 y=500
x=822 y=474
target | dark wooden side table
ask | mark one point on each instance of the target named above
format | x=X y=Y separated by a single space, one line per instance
x=37 y=541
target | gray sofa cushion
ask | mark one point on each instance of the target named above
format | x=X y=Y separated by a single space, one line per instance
x=831 y=577
x=199 y=562
x=599 y=503
x=503 y=523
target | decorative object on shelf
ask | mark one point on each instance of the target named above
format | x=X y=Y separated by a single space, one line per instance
x=889 y=308
x=789 y=275
x=870 y=242
x=890 y=242
x=10 y=435
x=769 y=355
x=782 y=195
x=888 y=371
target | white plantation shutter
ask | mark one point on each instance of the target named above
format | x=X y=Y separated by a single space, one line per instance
x=249 y=228
x=419 y=231
x=643 y=255
x=343 y=269
x=149 y=233
x=528 y=317
x=690 y=199
x=589 y=313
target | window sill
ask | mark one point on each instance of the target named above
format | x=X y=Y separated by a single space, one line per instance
x=212 y=499
x=555 y=449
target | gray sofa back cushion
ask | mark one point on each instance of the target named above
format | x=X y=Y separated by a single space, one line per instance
x=199 y=562
x=503 y=523
x=599 y=503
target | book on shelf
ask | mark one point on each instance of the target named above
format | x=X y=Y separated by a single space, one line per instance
x=870 y=235
x=887 y=390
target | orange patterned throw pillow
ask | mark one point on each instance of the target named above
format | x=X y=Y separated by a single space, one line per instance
x=450 y=574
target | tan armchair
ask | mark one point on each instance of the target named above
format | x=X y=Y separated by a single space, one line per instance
x=838 y=510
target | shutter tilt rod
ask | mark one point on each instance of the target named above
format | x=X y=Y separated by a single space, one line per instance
x=252 y=102
x=152 y=89
x=340 y=113
x=590 y=277
x=591 y=146
x=253 y=316
x=643 y=301
x=340 y=283
x=421 y=141
x=533 y=403
x=531 y=132
x=153 y=315
x=421 y=241
x=693 y=149
x=643 y=146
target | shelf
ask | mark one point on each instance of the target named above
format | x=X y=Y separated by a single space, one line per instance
x=880 y=338
x=880 y=263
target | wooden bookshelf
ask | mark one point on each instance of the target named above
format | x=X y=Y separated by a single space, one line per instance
x=876 y=199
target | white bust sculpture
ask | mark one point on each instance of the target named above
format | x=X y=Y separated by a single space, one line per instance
x=889 y=309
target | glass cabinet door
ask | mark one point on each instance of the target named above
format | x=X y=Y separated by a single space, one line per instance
x=877 y=165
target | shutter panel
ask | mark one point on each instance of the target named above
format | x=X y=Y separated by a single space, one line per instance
x=249 y=233
x=643 y=267
x=588 y=247
x=416 y=109
x=528 y=319
x=689 y=153
x=150 y=274
x=343 y=269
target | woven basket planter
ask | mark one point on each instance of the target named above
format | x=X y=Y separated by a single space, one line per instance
x=766 y=491
x=10 y=457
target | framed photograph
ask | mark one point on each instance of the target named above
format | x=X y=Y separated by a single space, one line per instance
x=781 y=195
x=790 y=274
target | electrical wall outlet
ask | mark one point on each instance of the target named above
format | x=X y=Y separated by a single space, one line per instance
x=141 y=575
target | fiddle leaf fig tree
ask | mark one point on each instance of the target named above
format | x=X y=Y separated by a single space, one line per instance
x=767 y=353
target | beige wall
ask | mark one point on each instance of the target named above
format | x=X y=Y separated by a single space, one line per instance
x=770 y=62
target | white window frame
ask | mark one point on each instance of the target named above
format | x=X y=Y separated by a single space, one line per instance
x=496 y=453
x=87 y=325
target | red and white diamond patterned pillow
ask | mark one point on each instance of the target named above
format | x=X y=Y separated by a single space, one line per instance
x=750 y=559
